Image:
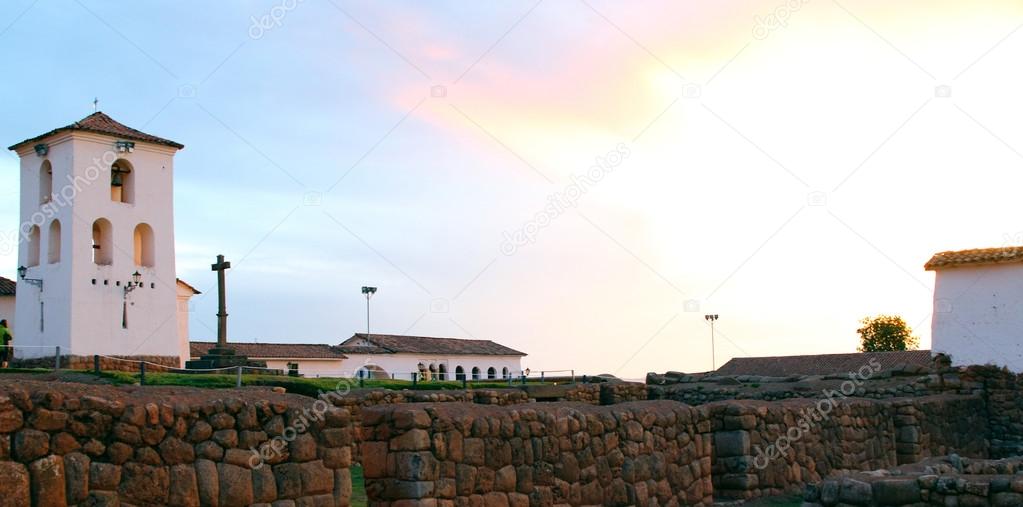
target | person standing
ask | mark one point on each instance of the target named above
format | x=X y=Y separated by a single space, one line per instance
x=6 y=344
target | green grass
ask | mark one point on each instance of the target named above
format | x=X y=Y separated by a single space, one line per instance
x=299 y=385
x=359 y=498
x=26 y=370
x=776 y=501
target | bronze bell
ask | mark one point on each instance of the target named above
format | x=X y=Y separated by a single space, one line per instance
x=116 y=180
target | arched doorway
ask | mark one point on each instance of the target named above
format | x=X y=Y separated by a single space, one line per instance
x=372 y=371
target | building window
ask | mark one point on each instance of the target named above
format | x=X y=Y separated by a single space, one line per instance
x=53 y=243
x=33 y=246
x=459 y=373
x=491 y=373
x=293 y=369
x=45 y=182
x=442 y=370
x=102 y=243
x=122 y=182
x=144 y=255
x=475 y=373
x=505 y=372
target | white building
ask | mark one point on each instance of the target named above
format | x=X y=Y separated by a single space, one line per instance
x=978 y=306
x=400 y=357
x=8 y=291
x=97 y=209
x=307 y=359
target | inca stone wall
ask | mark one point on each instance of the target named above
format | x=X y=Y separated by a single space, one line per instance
x=951 y=480
x=118 y=363
x=769 y=448
x=540 y=454
x=72 y=444
x=763 y=448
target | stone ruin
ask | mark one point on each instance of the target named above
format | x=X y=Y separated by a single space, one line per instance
x=607 y=444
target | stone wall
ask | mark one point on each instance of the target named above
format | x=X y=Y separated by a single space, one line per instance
x=1003 y=392
x=620 y=392
x=769 y=448
x=606 y=393
x=540 y=454
x=940 y=425
x=763 y=448
x=73 y=444
x=119 y=363
x=949 y=480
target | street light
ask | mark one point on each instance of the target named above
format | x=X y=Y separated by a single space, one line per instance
x=136 y=282
x=711 y=318
x=22 y=270
x=368 y=292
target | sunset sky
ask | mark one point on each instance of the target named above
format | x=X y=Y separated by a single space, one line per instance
x=789 y=166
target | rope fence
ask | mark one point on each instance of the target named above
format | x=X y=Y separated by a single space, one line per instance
x=362 y=375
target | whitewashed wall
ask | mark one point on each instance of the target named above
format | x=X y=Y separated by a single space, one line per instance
x=402 y=365
x=978 y=315
x=82 y=317
x=7 y=310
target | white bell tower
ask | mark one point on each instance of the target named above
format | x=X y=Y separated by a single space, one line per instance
x=96 y=248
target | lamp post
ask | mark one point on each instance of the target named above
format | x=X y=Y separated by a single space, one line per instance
x=134 y=283
x=368 y=292
x=711 y=318
x=38 y=282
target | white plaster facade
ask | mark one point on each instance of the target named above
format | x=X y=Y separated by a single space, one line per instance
x=307 y=367
x=978 y=314
x=402 y=365
x=83 y=306
x=7 y=310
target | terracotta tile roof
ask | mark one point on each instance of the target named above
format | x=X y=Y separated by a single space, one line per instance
x=976 y=256
x=8 y=287
x=361 y=343
x=822 y=364
x=274 y=350
x=100 y=123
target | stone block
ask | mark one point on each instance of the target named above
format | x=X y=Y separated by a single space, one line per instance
x=289 y=480
x=897 y=491
x=302 y=448
x=184 y=486
x=235 y=485
x=264 y=484
x=14 y=484
x=175 y=451
x=208 y=482
x=732 y=443
x=30 y=444
x=48 y=481
x=316 y=478
x=416 y=466
x=412 y=440
x=76 y=474
x=104 y=476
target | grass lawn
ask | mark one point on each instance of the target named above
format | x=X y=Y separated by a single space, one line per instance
x=358 y=487
x=776 y=501
x=307 y=386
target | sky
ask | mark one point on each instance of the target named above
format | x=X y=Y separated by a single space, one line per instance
x=581 y=180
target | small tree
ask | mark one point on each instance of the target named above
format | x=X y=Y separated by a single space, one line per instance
x=886 y=333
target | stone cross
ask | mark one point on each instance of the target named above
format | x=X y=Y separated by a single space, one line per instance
x=221 y=267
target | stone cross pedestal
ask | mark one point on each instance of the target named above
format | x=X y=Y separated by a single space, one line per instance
x=222 y=355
